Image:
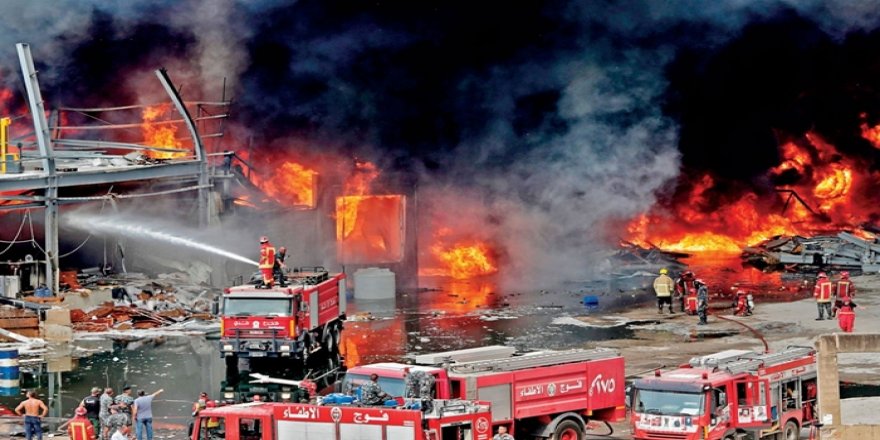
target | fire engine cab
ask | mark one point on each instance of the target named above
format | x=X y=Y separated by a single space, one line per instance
x=733 y=394
x=301 y=322
x=551 y=394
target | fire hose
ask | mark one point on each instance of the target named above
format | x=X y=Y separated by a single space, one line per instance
x=748 y=327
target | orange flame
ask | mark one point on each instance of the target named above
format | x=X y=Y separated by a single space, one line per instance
x=825 y=180
x=159 y=135
x=289 y=183
x=872 y=134
x=465 y=260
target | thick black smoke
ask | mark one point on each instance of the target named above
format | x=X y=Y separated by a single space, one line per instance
x=557 y=119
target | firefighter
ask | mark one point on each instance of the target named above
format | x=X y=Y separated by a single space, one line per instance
x=279 y=266
x=371 y=392
x=663 y=287
x=703 y=304
x=822 y=293
x=844 y=288
x=79 y=427
x=684 y=284
x=267 y=262
x=846 y=315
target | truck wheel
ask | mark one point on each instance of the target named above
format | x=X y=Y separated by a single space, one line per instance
x=791 y=431
x=568 y=430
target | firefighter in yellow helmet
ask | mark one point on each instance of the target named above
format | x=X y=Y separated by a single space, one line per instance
x=267 y=262
x=663 y=288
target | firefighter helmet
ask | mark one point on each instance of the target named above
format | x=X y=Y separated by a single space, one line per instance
x=664 y=271
x=80 y=411
x=844 y=274
x=264 y=239
x=822 y=275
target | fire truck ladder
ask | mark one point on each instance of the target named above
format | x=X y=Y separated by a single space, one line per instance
x=767 y=360
x=536 y=360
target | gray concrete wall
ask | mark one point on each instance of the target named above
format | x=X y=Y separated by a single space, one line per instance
x=829 y=346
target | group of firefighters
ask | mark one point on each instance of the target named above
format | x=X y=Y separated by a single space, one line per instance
x=833 y=299
x=692 y=293
x=272 y=264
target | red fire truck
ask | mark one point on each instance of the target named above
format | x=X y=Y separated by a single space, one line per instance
x=286 y=421
x=544 y=394
x=729 y=395
x=301 y=322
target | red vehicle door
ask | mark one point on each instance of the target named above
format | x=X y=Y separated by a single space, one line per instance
x=752 y=403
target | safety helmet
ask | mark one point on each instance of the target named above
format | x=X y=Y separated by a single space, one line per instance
x=822 y=275
x=844 y=274
x=664 y=271
x=80 y=411
x=688 y=274
x=211 y=404
x=264 y=239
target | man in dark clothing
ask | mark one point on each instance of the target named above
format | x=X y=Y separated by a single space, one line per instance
x=92 y=404
x=278 y=268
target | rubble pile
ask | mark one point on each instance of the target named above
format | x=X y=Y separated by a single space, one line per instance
x=109 y=317
x=633 y=260
x=801 y=254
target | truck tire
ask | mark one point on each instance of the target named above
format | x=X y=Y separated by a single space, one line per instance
x=791 y=431
x=568 y=430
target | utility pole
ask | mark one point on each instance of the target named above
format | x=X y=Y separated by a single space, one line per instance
x=47 y=157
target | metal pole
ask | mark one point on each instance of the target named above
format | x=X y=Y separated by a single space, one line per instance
x=204 y=181
x=44 y=142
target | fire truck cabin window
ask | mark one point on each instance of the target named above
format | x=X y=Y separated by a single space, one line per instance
x=212 y=428
x=256 y=307
x=250 y=429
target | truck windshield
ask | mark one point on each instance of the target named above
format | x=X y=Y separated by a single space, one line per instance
x=668 y=403
x=393 y=386
x=256 y=307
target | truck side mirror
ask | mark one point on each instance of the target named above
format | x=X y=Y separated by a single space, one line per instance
x=215 y=306
x=629 y=396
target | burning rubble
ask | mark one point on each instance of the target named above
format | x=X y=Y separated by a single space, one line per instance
x=816 y=190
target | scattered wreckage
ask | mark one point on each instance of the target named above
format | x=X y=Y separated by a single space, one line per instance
x=844 y=251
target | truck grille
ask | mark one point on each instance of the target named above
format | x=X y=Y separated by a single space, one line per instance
x=664 y=436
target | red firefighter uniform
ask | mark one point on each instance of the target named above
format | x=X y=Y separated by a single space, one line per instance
x=80 y=428
x=844 y=287
x=267 y=261
x=846 y=315
x=822 y=292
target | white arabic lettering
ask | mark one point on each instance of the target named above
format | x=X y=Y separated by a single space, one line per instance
x=301 y=413
x=602 y=385
x=532 y=390
x=564 y=388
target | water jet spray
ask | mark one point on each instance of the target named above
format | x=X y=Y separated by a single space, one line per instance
x=104 y=224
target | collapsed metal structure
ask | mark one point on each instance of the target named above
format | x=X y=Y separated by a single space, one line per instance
x=843 y=251
x=43 y=180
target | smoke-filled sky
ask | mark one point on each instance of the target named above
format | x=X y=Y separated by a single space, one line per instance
x=540 y=125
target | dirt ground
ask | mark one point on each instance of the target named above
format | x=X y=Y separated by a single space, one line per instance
x=666 y=341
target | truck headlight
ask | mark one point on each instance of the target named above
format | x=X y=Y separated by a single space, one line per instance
x=284 y=348
x=285 y=396
x=228 y=395
x=227 y=347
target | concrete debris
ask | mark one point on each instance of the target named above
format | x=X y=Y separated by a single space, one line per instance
x=794 y=253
